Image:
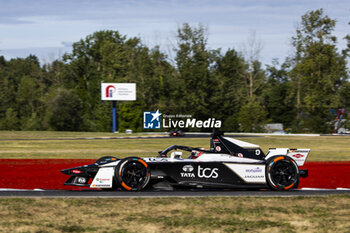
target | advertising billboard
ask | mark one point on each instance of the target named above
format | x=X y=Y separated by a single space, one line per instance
x=118 y=91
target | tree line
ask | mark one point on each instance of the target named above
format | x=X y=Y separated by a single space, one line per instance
x=207 y=83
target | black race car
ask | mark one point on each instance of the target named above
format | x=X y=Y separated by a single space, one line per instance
x=176 y=133
x=229 y=163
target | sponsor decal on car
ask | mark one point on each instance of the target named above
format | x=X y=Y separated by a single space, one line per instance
x=301 y=151
x=156 y=159
x=254 y=170
x=208 y=172
x=257 y=169
x=81 y=180
x=102 y=180
x=101 y=185
x=297 y=156
x=76 y=171
x=187 y=168
x=240 y=155
x=187 y=171
x=187 y=174
x=254 y=177
x=249 y=173
x=218 y=148
x=202 y=172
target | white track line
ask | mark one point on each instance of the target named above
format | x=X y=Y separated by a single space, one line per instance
x=323 y=189
x=306 y=189
x=4 y=189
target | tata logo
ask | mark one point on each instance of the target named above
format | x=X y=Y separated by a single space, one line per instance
x=208 y=172
x=187 y=174
x=187 y=168
x=187 y=171
x=151 y=120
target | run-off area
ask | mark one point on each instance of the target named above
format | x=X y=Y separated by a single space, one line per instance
x=45 y=174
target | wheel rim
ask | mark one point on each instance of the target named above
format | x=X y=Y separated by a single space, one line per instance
x=283 y=173
x=134 y=174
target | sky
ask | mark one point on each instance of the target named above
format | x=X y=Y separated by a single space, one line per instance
x=48 y=28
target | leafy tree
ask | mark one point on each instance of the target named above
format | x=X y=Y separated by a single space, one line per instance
x=28 y=96
x=277 y=99
x=230 y=90
x=34 y=122
x=345 y=95
x=65 y=95
x=20 y=88
x=107 y=56
x=57 y=75
x=104 y=56
x=347 y=49
x=65 y=111
x=165 y=86
x=254 y=75
x=129 y=116
x=193 y=61
x=345 y=88
x=319 y=69
x=252 y=117
x=10 y=122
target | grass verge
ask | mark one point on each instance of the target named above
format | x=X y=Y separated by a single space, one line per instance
x=324 y=148
x=236 y=214
x=62 y=134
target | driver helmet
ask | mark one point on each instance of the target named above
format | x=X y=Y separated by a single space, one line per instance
x=195 y=154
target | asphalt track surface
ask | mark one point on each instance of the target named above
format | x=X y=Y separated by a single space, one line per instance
x=163 y=194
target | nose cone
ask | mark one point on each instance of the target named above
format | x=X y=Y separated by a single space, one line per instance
x=67 y=171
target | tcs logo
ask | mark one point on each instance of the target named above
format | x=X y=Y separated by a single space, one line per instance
x=208 y=172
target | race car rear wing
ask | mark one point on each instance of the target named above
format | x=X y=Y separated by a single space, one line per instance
x=298 y=155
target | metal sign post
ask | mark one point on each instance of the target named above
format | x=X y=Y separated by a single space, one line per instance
x=120 y=92
x=114 y=116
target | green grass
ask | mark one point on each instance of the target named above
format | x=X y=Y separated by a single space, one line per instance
x=215 y=214
x=324 y=148
x=61 y=134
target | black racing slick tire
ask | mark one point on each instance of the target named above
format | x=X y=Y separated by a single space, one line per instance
x=132 y=174
x=282 y=173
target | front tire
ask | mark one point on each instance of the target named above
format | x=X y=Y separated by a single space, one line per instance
x=282 y=173
x=132 y=174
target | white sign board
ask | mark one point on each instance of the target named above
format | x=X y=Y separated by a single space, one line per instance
x=118 y=91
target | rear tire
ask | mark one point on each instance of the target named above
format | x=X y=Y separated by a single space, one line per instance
x=132 y=174
x=282 y=173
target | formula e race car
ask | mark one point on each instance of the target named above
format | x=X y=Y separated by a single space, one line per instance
x=230 y=163
x=176 y=133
